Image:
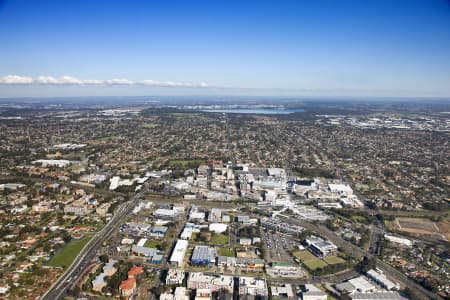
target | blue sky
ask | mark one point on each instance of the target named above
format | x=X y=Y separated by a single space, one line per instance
x=317 y=47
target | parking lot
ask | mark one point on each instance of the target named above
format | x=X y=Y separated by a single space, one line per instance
x=277 y=246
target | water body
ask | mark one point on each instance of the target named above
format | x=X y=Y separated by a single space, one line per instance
x=259 y=111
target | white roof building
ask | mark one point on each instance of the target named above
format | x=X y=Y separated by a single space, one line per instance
x=253 y=286
x=218 y=227
x=341 y=188
x=398 y=240
x=186 y=233
x=377 y=296
x=311 y=292
x=362 y=285
x=178 y=252
x=381 y=279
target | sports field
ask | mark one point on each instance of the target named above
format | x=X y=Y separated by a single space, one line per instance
x=312 y=262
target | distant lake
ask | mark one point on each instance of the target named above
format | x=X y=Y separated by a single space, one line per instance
x=260 y=111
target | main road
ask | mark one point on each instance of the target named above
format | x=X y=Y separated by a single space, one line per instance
x=89 y=252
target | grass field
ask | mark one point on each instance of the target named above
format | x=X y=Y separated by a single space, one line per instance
x=312 y=262
x=304 y=255
x=65 y=256
x=359 y=219
x=188 y=115
x=152 y=243
x=104 y=138
x=227 y=252
x=333 y=260
x=150 y=125
x=220 y=239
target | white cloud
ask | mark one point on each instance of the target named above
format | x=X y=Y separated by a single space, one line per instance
x=15 y=79
x=70 y=80
x=119 y=81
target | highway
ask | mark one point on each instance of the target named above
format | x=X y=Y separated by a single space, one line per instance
x=89 y=252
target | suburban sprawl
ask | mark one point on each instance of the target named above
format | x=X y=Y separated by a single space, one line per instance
x=188 y=200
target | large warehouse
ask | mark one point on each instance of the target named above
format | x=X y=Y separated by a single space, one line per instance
x=178 y=252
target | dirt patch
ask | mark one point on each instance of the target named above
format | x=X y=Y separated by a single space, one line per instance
x=444 y=228
x=420 y=227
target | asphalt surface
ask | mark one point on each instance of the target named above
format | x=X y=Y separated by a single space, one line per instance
x=89 y=252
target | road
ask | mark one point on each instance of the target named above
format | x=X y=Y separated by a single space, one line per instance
x=89 y=252
x=359 y=253
x=232 y=155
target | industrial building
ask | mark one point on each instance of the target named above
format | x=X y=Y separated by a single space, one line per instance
x=178 y=252
x=203 y=255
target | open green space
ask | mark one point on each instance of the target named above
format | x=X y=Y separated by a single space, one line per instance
x=152 y=243
x=304 y=255
x=333 y=260
x=360 y=219
x=227 y=252
x=314 y=264
x=66 y=255
x=104 y=138
x=188 y=115
x=150 y=125
x=221 y=239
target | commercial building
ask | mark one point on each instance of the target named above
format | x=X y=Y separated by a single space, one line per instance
x=283 y=291
x=203 y=255
x=381 y=279
x=311 y=292
x=253 y=286
x=321 y=247
x=144 y=251
x=174 y=276
x=186 y=233
x=218 y=227
x=377 y=296
x=178 y=252
x=197 y=280
x=215 y=215
x=165 y=213
x=180 y=293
